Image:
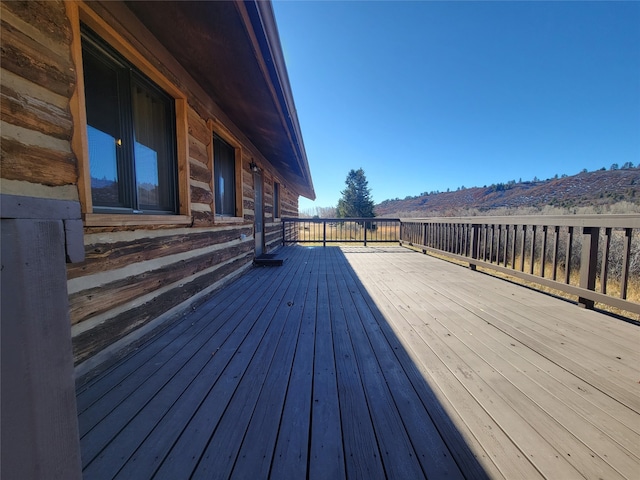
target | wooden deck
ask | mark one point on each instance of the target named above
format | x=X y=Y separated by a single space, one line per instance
x=366 y=363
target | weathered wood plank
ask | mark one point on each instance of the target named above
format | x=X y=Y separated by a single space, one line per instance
x=398 y=455
x=382 y=352
x=102 y=257
x=37 y=164
x=92 y=301
x=430 y=448
x=361 y=450
x=198 y=151
x=198 y=128
x=256 y=452
x=26 y=105
x=217 y=353
x=190 y=446
x=200 y=172
x=36 y=62
x=201 y=195
x=116 y=382
x=44 y=21
x=92 y=341
x=326 y=452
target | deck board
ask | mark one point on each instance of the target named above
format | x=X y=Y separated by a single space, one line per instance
x=370 y=362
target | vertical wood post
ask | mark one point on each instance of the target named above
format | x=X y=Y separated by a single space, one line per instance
x=604 y=272
x=39 y=433
x=283 y=233
x=365 y=232
x=522 y=247
x=588 y=263
x=543 y=254
x=556 y=231
x=424 y=237
x=475 y=244
x=567 y=266
x=324 y=233
x=624 y=280
x=534 y=229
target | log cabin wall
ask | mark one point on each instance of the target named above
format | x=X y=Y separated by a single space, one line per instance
x=135 y=275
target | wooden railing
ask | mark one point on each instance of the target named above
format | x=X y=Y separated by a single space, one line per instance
x=340 y=230
x=593 y=257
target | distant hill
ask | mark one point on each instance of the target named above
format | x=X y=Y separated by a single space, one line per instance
x=598 y=189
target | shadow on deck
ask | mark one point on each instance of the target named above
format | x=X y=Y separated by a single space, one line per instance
x=370 y=363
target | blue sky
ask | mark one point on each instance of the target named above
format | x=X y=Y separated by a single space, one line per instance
x=434 y=95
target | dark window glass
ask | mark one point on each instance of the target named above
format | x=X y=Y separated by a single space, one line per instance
x=224 y=168
x=131 y=135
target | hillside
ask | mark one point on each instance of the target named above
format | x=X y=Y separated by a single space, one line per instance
x=598 y=189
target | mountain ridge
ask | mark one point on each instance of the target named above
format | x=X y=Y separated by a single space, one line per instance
x=598 y=189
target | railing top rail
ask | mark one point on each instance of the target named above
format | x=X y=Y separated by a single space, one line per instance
x=352 y=219
x=607 y=221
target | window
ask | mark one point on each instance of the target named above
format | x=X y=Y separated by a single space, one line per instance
x=224 y=173
x=276 y=200
x=131 y=134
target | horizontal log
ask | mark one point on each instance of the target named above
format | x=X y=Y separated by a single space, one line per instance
x=200 y=195
x=109 y=256
x=93 y=301
x=47 y=17
x=198 y=128
x=198 y=151
x=203 y=219
x=37 y=164
x=33 y=61
x=200 y=172
x=34 y=114
x=94 y=340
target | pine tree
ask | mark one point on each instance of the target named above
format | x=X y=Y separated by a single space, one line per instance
x=356 y=198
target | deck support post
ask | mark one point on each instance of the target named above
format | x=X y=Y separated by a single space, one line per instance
x=588 y=263
x=39 y=436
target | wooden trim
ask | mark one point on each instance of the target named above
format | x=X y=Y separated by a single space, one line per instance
x=182 y=156
x=81 y=12
x=77 y=105
x=108 y=220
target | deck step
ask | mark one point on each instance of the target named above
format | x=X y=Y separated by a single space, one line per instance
x=268 y=260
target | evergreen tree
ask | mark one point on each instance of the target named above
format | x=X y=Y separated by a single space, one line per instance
x=356 y=198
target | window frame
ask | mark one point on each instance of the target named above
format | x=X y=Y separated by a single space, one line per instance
x=217 y=129
x=81 y=13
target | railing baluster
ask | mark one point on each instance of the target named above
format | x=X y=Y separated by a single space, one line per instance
x=543 y=253
x=522 y=247
x=533 y=248
x=556 y=231
x=567 y=266
x=626 y=257
x=604 y=270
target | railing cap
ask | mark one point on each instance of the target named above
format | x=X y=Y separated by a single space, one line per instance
x=606 y=221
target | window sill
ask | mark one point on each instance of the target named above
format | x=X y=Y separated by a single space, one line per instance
x=222 y=219
x=109 y=220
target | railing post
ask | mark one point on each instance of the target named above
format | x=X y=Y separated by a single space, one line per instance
x=588 y=263
x=324 y=233
x=475 y=244
x=365 y=233
x=283 y=230
x=400 y=233
x=424 y=237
